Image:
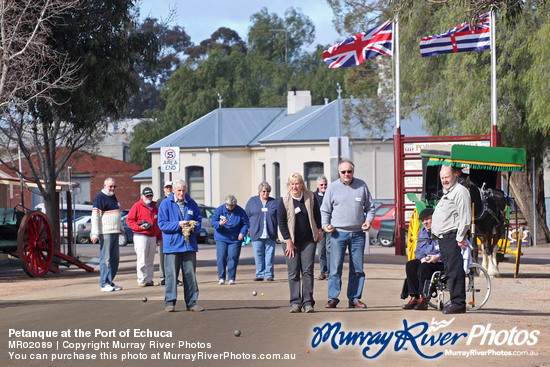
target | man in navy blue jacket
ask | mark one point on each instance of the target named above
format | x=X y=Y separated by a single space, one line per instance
x=178 y=213
x=427 y=261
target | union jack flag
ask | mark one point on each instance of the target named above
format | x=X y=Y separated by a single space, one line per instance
x=463 y=38
x=356 y=49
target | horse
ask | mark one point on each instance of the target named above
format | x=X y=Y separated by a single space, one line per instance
x=488 y=222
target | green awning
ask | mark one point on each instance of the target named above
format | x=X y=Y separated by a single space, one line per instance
x=476 y=157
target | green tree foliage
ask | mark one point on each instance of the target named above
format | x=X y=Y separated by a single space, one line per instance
x=312 y=73
x=151 y=75
x=279 y=39
x=100 y=37
x=252 y=74
x=453 y=92
x=223 y=37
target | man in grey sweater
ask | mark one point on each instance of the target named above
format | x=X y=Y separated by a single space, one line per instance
x=347 y=213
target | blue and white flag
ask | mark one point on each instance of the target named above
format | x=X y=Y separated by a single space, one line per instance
x=463 y=38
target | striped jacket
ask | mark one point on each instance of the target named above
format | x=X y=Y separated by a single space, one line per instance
x=105 y=215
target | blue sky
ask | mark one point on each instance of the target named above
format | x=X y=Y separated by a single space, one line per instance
x=201 y=18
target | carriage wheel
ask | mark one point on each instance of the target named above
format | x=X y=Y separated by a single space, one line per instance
x=35 y=244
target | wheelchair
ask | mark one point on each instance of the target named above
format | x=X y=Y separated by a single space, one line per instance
x=436 y=290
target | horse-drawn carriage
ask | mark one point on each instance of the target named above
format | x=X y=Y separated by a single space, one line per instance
x=481 y=167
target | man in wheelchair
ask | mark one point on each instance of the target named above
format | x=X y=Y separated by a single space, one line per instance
x=427 y=261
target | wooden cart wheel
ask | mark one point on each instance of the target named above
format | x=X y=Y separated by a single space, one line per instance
x=35 y=244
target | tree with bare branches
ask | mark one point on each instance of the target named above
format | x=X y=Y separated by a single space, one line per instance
x=66 y=69
x=24 y=29
x=30 y=71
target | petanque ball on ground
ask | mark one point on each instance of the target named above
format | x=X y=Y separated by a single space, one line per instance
x=254 y=293
x=237 y=333
x=144 y=299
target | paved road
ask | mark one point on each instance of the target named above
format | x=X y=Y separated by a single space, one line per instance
x=71 y=304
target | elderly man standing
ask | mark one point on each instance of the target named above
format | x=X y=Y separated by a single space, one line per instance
x=323 y=246
x=142 y=219
x=450 y=224
x=347 y=213
x=106 y=227
x=168 y=186
x=178 y=214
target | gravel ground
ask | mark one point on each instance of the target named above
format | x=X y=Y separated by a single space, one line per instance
x=72 y=300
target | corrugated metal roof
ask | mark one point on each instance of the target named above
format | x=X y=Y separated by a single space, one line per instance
x=319 y=123
x=144 y=175
x=231 y=127
x=310 y=124
x=223 y=127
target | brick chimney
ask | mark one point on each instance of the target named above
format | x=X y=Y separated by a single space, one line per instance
x=297 y=100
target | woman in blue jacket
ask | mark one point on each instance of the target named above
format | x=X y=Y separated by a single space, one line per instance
x=231 y=225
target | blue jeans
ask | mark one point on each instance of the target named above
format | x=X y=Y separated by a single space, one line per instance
x=187 y=262
x=301 y=265
x=323 y=250
x=355 y=243
x=227 y=255
x=264 y=257
x=108 y=258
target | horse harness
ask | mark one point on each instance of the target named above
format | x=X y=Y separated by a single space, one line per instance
x=486 y=195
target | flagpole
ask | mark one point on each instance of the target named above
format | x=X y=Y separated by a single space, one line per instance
x=397 y=83
x=397 y=149
x=494 y=112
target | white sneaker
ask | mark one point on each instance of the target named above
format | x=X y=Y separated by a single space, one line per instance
x=221 y=282
x=231 y=282
x=116 y=287
x=107 y=288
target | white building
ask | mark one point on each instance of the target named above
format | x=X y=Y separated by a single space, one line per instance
x=231 y=150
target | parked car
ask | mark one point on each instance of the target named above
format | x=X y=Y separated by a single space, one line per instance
x=79 y=210
x=383 y=212
x=386 y=233
x=64 y=227
x=128 y=236
x=84 y=228
x=207 y=212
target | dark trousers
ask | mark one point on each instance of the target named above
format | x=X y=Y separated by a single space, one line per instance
x=452 y=258
x=417 y=274
x=301 y=265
